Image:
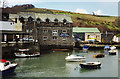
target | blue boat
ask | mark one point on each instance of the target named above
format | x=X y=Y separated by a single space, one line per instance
x=107 y=47
x=86 y=47
x=6 y=67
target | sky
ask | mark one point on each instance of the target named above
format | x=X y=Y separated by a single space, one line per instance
x=99 y=7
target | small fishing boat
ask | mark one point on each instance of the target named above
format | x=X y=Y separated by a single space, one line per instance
x=113 y=48
x=25 y=53
x=75 y=58
x=112 y=52
x=107 y=47
x=6 y=67
x=90 y=65
x=99 y=56
x=85 y=47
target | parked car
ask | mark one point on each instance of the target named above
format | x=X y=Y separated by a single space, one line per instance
x=27 y=39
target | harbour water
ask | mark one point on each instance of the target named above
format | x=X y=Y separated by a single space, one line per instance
x=53 y=64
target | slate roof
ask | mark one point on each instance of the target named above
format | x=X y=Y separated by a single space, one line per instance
x=85 y=30
x=43 y=17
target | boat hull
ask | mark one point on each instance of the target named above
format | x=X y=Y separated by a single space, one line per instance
x=112 y=53
x=9 y=71
x=26 y=56
x=90 y=66
x=99 y=56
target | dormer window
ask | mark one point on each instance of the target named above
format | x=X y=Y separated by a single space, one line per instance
x=22 y=19
x=30 y=19
x=38 y=20
x=15 y=20
x=56 y=21
x=64 y=21
x=47 y=21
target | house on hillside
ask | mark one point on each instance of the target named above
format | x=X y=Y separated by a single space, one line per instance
x=87 y=34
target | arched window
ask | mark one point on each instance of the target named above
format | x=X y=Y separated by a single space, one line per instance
x=38 y=20
x=56 y=21
x=30 y=19
x=64 y=21
x=22 y=19
x=47 y=21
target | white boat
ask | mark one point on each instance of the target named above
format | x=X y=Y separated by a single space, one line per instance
x=112 y=52
x=6 y=67
x=75 y=58
x=113 y=48
x=91 y=65
x=25 y=53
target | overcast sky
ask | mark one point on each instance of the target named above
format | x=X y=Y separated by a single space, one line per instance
x=100 y=7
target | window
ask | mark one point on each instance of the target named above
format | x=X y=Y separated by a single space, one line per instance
x=45 y=31
x=30 y=19
x=47 y=21
x=56 y=21
x=38 y=20
x=64 y=21
x=22 y=19
x=55 y=32
x=64 y=38
x=45 y=37
x=88 y=37
x=15 y=20
x=64 y=31
x=54 y=38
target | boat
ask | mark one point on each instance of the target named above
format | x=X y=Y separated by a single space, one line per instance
x=75 y=58
x=113 y=48
x=112 y=52
x=107 y=47
x=21 y=53
x=60 y=49
x=99 y=56
x=85 y=47
x=90 y=65
x=6 y=67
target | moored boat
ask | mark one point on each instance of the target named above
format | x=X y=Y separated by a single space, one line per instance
x=112 y=47
x=99 y=56
x=90 y=65
x=112 y=52
x=6 y=67
x=85 y=47
x=107 y=47
x=21 y=53
x=75 y=58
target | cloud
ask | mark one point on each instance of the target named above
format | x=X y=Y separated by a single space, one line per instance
x=81 y=11
x=99 y=12
x=17 y=2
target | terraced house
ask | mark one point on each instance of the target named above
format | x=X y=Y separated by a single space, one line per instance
x=51 y=30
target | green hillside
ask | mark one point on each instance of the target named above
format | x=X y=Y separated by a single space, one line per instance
x=104 y=23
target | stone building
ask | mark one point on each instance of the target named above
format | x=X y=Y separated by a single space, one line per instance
x=51 y=30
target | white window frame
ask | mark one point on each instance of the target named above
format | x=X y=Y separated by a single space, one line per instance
x=64 y=38
x=64 y=30
x=44 y=38
x=55 y=36
x=45 y=30
x=54 y=32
